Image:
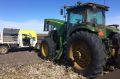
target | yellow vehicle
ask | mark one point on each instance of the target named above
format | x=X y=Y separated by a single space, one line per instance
x=27 y=38
x=16 y=38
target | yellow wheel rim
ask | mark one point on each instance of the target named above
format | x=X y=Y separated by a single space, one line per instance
x=80 y=55
x=44 y=49
x=113 y=52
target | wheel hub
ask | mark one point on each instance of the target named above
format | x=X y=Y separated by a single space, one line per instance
x=77 y=55
x=3 y=50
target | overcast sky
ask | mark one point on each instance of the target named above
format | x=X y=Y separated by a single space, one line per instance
x=30 y=14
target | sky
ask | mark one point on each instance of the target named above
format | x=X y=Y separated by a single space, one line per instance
x=30 y=14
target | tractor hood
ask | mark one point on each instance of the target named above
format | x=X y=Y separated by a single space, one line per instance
x=112 y=28
x=55 y=22
x=58 y=24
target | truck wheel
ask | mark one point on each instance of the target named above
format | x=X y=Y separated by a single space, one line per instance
x=86 y=53
x=47 y=49
x=116 y=52
x=3 y=49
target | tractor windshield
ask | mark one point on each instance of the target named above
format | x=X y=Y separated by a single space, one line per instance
x=76 y=16
x=96 y=16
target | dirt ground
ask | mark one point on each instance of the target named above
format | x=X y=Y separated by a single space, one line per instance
x=27 y=65
x=112 y=75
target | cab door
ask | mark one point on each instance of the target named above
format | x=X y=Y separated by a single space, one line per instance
x=26 y=40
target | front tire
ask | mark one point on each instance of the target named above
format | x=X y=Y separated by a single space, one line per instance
x=53 y=35
x=47 y=49
x=86 y=52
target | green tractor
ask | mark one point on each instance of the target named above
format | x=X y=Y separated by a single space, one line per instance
x=82 y=39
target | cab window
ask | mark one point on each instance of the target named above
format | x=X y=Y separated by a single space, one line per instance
x=48 y=26
x=76 y=16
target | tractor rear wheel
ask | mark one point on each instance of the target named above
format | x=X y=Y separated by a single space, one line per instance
x=3 y=49
x=116 y=52
x=86 y=53
x=47 y=49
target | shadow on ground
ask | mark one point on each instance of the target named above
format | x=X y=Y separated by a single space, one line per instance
x=20 y=49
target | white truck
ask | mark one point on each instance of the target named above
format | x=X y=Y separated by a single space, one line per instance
x=16 y=38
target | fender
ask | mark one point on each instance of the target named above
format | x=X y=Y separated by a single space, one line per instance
x=87 y=28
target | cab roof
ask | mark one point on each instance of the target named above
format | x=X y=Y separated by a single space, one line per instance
x=87 y=5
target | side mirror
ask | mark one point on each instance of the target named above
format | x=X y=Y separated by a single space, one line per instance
x=61 y=11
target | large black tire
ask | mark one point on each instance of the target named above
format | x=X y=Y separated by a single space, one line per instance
x=116 y=45
x=95 y=52
x=47 y=49
x=3 y=49
x=53 y=35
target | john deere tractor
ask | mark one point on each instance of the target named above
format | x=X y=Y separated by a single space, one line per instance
x=82 y=39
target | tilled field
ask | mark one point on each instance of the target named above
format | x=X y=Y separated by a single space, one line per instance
x=27 y=65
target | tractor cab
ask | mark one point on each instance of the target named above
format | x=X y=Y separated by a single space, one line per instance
x=88 y=13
